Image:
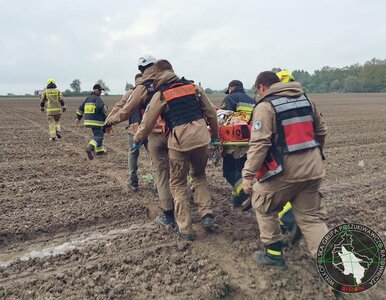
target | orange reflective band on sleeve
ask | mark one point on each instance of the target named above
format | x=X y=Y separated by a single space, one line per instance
x=180 y=91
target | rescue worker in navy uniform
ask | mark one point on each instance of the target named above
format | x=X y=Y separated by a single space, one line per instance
x=157 y=142
x=238 y=101
x=186 y=111
x=52 y=102
x=94 y=112
x=287 y=139
x=134 y=121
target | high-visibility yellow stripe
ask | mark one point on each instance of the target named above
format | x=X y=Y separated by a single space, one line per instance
x=53 y=109
x=285 y=209
x=80 y=113
x=244 y=108
x=273 y=252
x=94 y=123
x=100 y=149
x=239 y=188
x=93 y=143
x=89 y=108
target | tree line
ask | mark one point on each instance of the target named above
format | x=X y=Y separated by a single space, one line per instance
x=367 y=78
x=76 y=89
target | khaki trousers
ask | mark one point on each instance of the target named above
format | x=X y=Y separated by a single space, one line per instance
x=53 y=125
x=180 y=163
x=158 y=150
x=270 y=197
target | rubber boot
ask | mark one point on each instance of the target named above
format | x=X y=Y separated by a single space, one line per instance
x=167 y=219
x=272 y=256
x=90 y=151
x=207 y=222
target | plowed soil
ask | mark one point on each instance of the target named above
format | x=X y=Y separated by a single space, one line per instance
x=71 y=229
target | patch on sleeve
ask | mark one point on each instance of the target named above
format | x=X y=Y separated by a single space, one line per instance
x=256 y=126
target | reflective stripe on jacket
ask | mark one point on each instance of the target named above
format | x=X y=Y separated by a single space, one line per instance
x=93 y=110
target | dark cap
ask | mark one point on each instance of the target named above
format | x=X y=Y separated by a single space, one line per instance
x=233 y=83
x=98 y=87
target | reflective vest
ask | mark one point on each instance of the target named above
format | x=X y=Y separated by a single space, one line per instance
x=52 y=98
x=182 y=102
x=93 y=110
x=294 y=132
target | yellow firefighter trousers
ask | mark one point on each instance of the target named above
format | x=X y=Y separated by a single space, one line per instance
x=270 y=197
x=159 y=153
x=53 y=124
x=180 y=163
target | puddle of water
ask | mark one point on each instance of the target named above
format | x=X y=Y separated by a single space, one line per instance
x=38 y=252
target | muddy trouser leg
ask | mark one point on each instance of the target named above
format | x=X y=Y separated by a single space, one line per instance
x=98 y=138
x=179 y=169
x=133 y=162
x=51 y=126
x=57 y=121
x=268 y=200
x=309 y=214
x=159 y=153
x=198 y=160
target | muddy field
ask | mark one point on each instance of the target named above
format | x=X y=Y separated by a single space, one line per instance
x=70 y=228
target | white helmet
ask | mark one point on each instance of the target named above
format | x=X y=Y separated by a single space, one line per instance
x=145 y=61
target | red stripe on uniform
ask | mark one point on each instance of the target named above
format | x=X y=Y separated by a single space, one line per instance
x=299 y=133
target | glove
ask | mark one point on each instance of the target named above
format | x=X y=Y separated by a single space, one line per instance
x=42 y=109
x=64 y=109
x=214 y=140
x=136 y=146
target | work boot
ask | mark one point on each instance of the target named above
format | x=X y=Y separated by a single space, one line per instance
x=134 y=188
x=166 y=219
x=53 y=139
x=59 y=134
x=207 y=222
x=187 y=237
x=265 y=259
x=272 y=256
x=101 y=153
x=90 y=152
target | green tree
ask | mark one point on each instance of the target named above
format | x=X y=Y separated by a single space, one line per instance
x=335 y=86
x=103 y=84
x=208 y=91
x=128 y=86
x=352 y=85
x=75 y=86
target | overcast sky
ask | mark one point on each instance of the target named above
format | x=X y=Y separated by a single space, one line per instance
x=208 y=41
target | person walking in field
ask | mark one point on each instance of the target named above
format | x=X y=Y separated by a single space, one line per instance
x=53 y=104
x=157 y=142
x=284 y=162
x=94 y=111
x=186 y=111
x=134 y=121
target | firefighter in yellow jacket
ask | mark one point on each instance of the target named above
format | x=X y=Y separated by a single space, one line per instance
x=284 y=161
x=186 y=112
x=52 y=102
